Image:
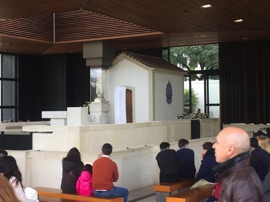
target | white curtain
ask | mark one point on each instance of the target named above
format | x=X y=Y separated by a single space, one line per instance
x=120 y=105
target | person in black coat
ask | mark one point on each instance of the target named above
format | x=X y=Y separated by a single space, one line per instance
x=185 y=157
x=259 y=159
x=167 y=162
x=72 y=167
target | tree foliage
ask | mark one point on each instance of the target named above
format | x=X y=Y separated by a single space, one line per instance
x=200 y=57
x=194 y=99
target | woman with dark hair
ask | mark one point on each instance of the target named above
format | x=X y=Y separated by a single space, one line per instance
x=72 y=166
x=9 y=168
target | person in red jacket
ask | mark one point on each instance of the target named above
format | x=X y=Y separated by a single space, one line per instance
x=105 y=172
x=84 y=183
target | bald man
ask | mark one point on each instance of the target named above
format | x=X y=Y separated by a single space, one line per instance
x=240 y=183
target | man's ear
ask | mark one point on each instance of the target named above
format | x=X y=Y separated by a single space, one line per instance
x=230 y=150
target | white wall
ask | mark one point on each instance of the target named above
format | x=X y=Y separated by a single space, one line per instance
x=130 y=75
x=163 y=110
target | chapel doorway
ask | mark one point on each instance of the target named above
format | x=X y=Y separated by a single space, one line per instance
x=129 y=106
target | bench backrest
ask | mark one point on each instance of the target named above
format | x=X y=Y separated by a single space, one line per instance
x=192 y=195
x=173 y=186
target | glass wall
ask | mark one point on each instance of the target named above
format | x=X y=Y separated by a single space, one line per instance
x=201 y=85
x=8 y=88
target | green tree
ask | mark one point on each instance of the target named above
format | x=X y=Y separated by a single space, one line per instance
x=194 y=100
x=201 y=57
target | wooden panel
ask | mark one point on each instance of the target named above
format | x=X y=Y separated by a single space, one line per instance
x=173 y=186
x=192 y=195
x=83 y=25
x=129 y=107
x=57 y=193
x=48 y=199
x=131 y=24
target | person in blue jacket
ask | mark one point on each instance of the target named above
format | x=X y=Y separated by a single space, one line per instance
x=206 y=175
x=185 y=157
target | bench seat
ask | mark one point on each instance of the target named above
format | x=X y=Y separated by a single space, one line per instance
x=49 y=199
x=166 y=189
x=57 y=193
x=192 y=195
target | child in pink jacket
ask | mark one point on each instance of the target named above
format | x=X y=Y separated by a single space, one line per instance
x=84 y=182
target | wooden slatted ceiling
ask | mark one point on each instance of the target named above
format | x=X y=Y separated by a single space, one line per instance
x=83 y=25
x=34 y=27
x=187 y=15
x=131 y=23
x=24 y=8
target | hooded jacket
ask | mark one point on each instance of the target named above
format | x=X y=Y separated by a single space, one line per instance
x=70 y=174
x=84 y=184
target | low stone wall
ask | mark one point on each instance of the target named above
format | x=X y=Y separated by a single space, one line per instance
x=89 y=139
x=137 y=165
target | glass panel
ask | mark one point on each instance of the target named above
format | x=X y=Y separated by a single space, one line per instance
x=0 y=93
x=186 y=95
x=0 y=66
x=213 y=111
x=165 y=54
x=214 y=90
x=8 y=93
x=8 y=66
x=93 y=81
x=8 y=115
x=197 y=93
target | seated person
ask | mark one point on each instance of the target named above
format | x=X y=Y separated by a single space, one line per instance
x=105 y=173
x=168 y=164
x=264 y=143
x=71 y=169
x=84 y=182
x=185 y=157
x=259 y=158
x=10 y=170
x=206 y=175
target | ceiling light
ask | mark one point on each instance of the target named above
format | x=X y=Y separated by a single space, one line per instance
x=206 y=6
x=238 y=20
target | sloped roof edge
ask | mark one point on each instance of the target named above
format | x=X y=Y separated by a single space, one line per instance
x=153 y=62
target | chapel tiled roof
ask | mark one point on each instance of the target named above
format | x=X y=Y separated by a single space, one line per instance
x=154 y=62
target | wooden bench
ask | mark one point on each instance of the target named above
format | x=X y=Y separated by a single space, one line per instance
x=167 y=189
x=57 y=193
x=49 y=199
x=192 y=195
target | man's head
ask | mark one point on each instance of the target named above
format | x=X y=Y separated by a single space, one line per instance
x=230 y=142
x=3 y=153
x=164 y=145
x=183 y=143
x=107 y=149
x=254 y=142
x=207 y=145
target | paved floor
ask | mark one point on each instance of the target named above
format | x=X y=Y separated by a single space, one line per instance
x=145 y=194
